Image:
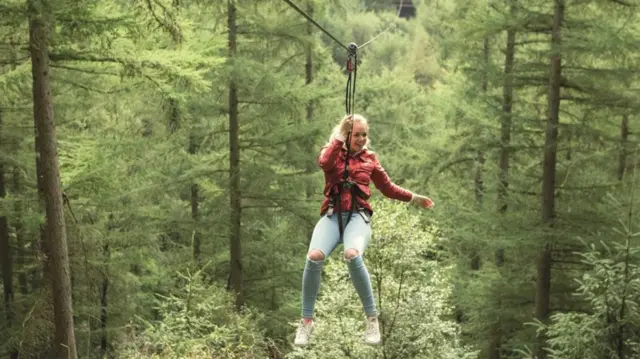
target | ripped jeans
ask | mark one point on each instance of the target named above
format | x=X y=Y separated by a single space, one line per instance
x=325 y=238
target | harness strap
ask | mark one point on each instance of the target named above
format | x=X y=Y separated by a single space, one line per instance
x=336 y=203
x=352 y=69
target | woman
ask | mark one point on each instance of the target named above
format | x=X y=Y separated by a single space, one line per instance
x=355 y=212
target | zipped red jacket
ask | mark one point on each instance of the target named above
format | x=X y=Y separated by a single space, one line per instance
x=363 y=169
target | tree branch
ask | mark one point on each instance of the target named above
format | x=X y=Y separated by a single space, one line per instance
x=171 y=27
x=77 y=69
x=91 y=89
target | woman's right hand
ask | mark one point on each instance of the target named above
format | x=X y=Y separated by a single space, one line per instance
x=346 y=126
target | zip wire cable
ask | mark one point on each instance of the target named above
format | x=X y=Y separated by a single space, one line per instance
x=316 y=24
x=385 y=30
x=333 y=37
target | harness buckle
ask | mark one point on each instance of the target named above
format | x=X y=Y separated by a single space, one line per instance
x=364 y=213
x=329 y=211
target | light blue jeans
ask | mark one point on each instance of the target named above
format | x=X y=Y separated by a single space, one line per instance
x=325 y=238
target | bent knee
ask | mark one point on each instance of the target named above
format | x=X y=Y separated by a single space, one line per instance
x=315 y=255
x=351 y=253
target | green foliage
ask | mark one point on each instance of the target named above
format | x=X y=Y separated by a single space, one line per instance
x=609 y=327
x=197 y=322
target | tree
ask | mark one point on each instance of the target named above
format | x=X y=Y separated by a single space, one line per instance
x=547 y=209
x=236 y=276
x=56 y=246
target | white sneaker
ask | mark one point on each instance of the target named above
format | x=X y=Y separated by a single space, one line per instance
x=372 y=331
x=303 y=333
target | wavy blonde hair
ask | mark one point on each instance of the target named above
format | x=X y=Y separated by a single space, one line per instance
x=357 y=118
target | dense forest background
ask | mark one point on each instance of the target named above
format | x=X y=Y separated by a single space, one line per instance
x=167 y=212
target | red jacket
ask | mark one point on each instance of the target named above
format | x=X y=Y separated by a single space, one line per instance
x=363 y=168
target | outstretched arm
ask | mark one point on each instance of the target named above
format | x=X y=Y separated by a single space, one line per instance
x=384 y=184
x=329 y=154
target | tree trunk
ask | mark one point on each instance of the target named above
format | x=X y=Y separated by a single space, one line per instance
x=480 y=156
x=5 y=247
x=20 y=238
x=308 y=67
x=104 y=306
x=234 y=167
x=56 y=246
x=39 y=242
x=479 y=177
x=18 y=224
x=547 y=211
x=622 y=155
x=505 y=125
x=569 y=154
x=619 y=335
x=195 y=203
x=495 y=332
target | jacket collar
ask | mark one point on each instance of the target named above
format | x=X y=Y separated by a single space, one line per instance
x=343 y=153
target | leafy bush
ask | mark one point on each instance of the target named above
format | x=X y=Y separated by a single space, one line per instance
x=199 y=322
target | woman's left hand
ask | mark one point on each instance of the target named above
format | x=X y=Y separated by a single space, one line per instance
x=422 y=201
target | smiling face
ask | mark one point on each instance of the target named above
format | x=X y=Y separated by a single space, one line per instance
x=358 y=136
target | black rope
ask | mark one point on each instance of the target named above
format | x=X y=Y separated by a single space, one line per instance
x=350 y=93
x=316 y=24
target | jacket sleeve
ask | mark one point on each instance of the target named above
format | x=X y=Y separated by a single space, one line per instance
x=384 y=184
x=329 y=154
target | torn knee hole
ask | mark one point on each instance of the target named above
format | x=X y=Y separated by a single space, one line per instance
x=315 y=255
x=351 y=253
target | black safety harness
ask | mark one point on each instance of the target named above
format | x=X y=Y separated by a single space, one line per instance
x=346 y=185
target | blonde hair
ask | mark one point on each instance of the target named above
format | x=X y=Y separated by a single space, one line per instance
x=357 y=118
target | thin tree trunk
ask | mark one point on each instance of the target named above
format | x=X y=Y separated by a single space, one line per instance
x=104 y=307
x=39 y=275
x=495 y=332
x=479 y=177
x=5 y=248
x=480 y=156
x=234 y=167
x=505 y=125
x=547 y=211
x=619 y=333
x=622 y=155
x=569 y=154
x=56 y=247
x=479 y=191
x=18 y=225
x=308 y=67
x=195 y=203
